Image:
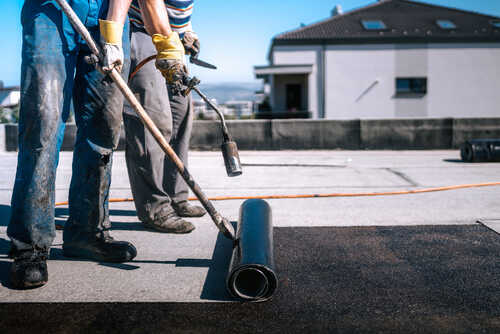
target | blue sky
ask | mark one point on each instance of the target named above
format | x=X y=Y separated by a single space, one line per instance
x=235 y=35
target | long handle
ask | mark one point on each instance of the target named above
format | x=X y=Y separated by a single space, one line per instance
x=222 y=223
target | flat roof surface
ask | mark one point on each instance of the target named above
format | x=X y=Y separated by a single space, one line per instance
x=415 y=235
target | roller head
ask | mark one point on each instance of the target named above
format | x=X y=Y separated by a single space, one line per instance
x=231 y=158
x=226 y=228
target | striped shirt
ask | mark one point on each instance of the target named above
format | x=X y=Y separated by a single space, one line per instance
x=179 y=15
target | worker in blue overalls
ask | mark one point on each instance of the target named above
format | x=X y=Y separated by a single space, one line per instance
x=54 y=71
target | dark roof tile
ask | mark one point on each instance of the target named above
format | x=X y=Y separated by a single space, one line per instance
x=404 y=20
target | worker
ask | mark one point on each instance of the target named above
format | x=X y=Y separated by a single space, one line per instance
x=54 y=71
x=160 y=194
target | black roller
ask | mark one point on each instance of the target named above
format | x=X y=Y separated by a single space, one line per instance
x=251 y=273
x=481 y=150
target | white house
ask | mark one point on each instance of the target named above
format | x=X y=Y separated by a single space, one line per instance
x=391 y=59
x=9 y=96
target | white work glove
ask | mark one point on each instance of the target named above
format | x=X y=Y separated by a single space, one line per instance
x=112 y=57
x=111 y=36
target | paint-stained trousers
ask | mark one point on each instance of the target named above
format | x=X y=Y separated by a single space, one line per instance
x=54 y=71
x=154 y=179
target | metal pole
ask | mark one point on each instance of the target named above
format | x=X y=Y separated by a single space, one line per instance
x=222 y=223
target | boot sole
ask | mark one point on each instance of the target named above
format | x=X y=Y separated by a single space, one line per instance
x=165 y=230
x=27 y=286
x=190 y=216
x=82 y=253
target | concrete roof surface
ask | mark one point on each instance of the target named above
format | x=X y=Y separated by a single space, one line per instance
x=397 y=239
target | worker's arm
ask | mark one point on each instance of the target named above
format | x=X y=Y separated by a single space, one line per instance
x=117 y=10
x=170 y=56
x=155 y=17
x=111 y=34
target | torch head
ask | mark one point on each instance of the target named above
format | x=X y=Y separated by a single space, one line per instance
x=231 y=158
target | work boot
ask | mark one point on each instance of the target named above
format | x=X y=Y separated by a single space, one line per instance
x=184 y=209
x=102 y=248
x=29 y=269
x=171 y=223
x=12 y=251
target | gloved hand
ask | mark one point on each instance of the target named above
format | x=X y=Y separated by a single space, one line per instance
x=170 y=57
x=191 y=43
x=111 y=35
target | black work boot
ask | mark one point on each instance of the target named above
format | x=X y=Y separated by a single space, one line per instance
x=170 y=223
x=29 y=269
x=102 y=248
x=184 y=209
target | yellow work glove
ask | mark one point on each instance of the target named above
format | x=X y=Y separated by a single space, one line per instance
x=170 y=57
x=111 y=36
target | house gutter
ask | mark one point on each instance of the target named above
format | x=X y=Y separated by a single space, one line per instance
x=322 y=111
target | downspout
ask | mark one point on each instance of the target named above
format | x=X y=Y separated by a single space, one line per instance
x=322 y=112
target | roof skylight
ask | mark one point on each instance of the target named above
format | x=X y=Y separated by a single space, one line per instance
x=373 y=24
x=446 y=24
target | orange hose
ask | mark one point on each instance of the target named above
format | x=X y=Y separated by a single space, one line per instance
x=140 y=65
x=387 y=193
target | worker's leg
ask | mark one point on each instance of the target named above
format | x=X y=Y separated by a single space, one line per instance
x=145 y=158
x=174 y=184
x=98 y=107
x=46 y=81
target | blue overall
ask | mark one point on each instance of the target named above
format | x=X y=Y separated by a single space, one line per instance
x=53 y=72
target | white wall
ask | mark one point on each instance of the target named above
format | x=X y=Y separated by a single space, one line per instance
x=9 y=97
x=463 y=80
x=357 y=77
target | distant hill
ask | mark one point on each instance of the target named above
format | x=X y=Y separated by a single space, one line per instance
x=228 y=91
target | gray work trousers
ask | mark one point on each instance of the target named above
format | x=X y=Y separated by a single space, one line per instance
x=154 y=179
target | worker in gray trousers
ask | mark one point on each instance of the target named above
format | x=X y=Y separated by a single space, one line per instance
x=160 y=194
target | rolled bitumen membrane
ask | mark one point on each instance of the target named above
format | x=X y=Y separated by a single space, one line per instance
x=481 y=150
x=251 y=274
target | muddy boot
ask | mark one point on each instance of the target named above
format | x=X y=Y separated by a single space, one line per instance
x=170 y=223
x=29 y=269
x=102 y=248
x=94 y=244
x=184 y=209
x=12 y=251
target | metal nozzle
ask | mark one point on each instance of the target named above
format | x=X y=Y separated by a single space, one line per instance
x=231 y=158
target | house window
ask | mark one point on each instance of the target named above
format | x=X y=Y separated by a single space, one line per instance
x=373 y=24
x=411 y=86
x=446 y=24
x=495 y=23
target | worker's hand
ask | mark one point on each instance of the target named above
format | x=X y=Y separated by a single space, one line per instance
x=111 y=35
x=170 y=57
x=191 y=43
